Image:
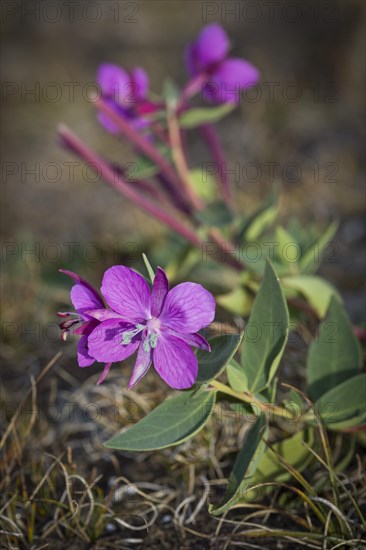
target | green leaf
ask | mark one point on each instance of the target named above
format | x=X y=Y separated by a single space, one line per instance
x=170 y=92
x=149 y=269
x=344 y=406
x=215 y=214
x=143 y=167
x=171 y=423
x=316 y=290
x=203 y=184
x=336 y=355
x=244 y=467
x=238 y=301
x=179 y=262
x=237 y=377
x=197 y=117
x=311 y=259
x=289 y=251
x=256 y=223
x=243 y=411
x=216 y=277
x=211 y=364
x=261 y=223
x=270 y=468
x=266 y=333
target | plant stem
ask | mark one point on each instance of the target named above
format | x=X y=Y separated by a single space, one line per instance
x=248 y=397
x=116 y=180
x=212 y=140
x=192 y=88
x=227 y=248
x=144 y=146
x=180 y=159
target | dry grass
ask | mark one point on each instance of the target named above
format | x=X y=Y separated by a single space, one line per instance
x=61 y=486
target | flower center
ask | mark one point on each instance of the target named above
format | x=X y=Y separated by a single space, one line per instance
x=153 y=325
x=129 y=334
x=149 y=337
x=152 y=329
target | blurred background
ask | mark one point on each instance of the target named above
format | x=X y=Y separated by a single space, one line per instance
x=306 y=122
x=303 y=126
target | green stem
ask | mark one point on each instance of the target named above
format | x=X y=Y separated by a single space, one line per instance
x=248 y=397
x=180 y=160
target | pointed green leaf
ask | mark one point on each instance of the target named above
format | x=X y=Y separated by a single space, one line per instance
x=171 y=92
x=238 y=301
x=203 y=183
x=237 y=377
x=311 y=260
x=211 y=364
x=245 y=466
x=197 y=117
x=149 y=269
x=171 y=423
x=288 y=251
x=215 y=214
x=266 y=333
x=261 y=223
x=218 y=278
x=258 y=221
x=270 y=468
x=143 y=167
x=335 y=356
x=344 y=406
x=316 y=290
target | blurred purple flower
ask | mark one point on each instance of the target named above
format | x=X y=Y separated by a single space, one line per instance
x=160 y=325
x=126 y=93
x=226 y=77
x=83 y=297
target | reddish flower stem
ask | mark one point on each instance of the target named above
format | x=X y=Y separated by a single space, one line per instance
x=212 y=140
x=226 y=249
x=181 y=161
x=144 y=146
x=116 y=180
x=192 y=88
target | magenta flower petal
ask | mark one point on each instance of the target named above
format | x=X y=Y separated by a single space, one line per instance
x=84 y=358
x=97 y=299
x=175 y=362
x=140 y=80
x=105 y=342
x=195 y=340
x=188 y=307
x=114 y=81
x=83 y=298
x=107 y=366
x=127 y=293
x=230 y=77
x=108 y=124
x=159 y=291
x=104 y=314
x=142 y=365
x=211 y=46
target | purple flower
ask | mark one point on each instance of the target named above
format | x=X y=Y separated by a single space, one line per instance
x=84 y=297
x=208 y=56
x=160 y=325
x=125 y=92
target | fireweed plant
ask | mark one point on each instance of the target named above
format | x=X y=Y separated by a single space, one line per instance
x=211 y=246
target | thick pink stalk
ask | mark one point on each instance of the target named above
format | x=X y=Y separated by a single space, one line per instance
x=116 y=180
x=210 y=135
x=144 y=146
x=191 y=89
x=181 y=161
